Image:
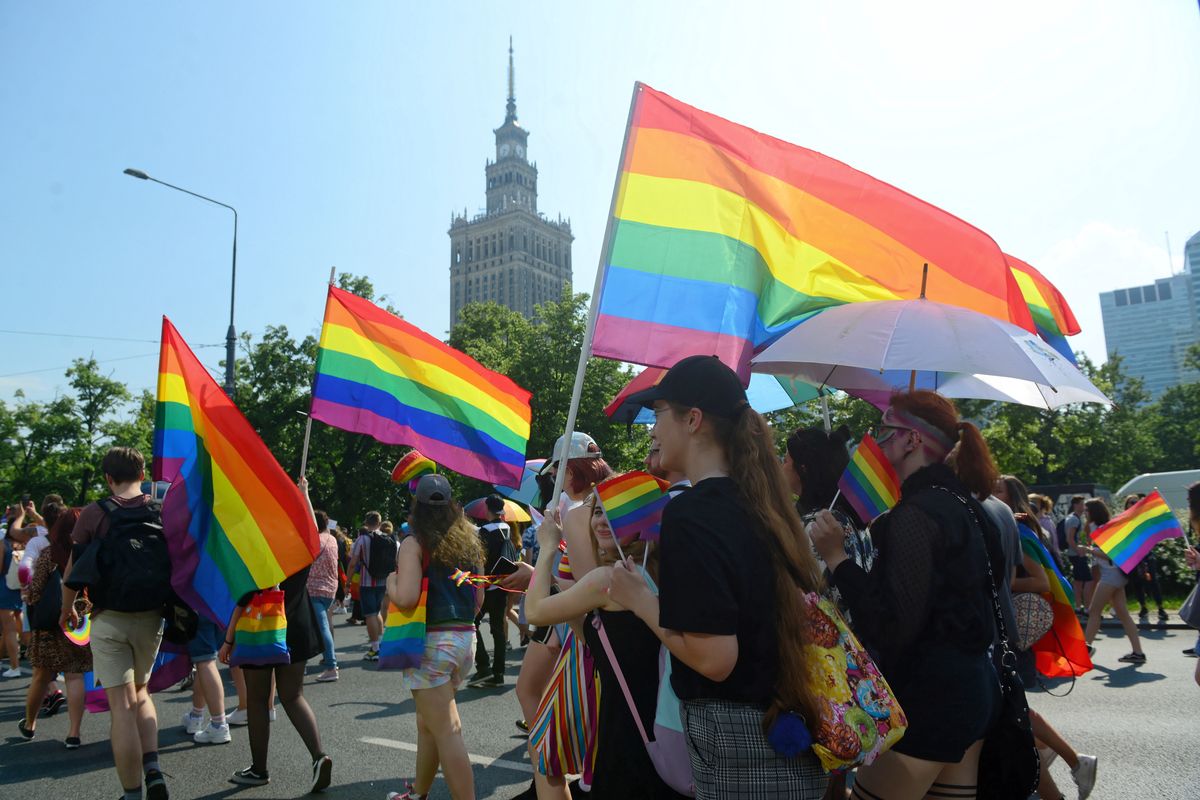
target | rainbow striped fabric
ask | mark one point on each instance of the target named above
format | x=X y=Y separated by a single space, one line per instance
x=379 y=375
x=1062 y=652
x=261 y=633
x=634 y=503
x=724 y=238
x=870 y=483
x=411 y=467
x=1129 y=537
x=403 y=642
x=1051 y=315
x=234 y=521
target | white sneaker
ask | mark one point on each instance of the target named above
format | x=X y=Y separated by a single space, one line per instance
x=213 y=734
x=271 y=715
x=237 y=717
x=11 y=673
x=193 y=723
x=1084 y=775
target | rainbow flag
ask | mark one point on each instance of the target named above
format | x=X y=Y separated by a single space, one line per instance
x=1052 y=316
x=723 y=239
x=379 y=375
x=869 y=484
x=1129 y=537
x=634 y=503
x=234 y=521
x=411 y=467
x=1062 y=652
x=171 y=665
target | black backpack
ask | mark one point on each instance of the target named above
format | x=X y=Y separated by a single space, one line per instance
x=132 y=561
x=381 y=561
x=490 y=535
x=1060 y=534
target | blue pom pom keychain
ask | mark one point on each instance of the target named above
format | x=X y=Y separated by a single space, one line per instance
x=789 y=736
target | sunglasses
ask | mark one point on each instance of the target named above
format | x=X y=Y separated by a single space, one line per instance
x=883 y=433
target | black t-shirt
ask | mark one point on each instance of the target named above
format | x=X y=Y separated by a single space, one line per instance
x=715 y=577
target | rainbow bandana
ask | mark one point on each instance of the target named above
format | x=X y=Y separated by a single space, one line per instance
x=935 y=441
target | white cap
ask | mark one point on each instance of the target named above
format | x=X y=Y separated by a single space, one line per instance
x=582 y=446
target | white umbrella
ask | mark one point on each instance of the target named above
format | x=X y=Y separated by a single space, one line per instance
x=958 y=352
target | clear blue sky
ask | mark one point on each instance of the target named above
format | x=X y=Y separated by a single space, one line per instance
x=345 y=134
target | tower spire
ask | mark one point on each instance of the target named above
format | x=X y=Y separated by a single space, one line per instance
x=511 y=108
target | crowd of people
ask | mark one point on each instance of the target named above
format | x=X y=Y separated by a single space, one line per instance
x=717 y=599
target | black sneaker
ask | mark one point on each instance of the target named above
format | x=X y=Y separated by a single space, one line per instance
x=1133 y=658
x=528 y=794
x=156 y=786
x=1091 y=651
x=52 y=704
x=72 y=742
x=248 y=777
x=322 y=773
x=27 y=734
x=1163 y=616
x=1191 y=653
x=486 y=682
x=1144 y=613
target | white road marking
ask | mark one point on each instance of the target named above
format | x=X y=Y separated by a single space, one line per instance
x=483 y=761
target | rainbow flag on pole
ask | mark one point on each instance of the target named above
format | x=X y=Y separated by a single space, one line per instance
x=634 y=503
x=379 y=375
x=1129 y=537
x=723 y=238
x=234 y=521
x=1062 y=652
x=870 y=483
x=1051 y=315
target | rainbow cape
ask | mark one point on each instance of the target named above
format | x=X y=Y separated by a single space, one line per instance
x=1062 y=652
x=1129 y=537
x=634 y=503
x=411 y=467
x=870 y=483
x=1052 y=316
x=379 y=375
x=723 y=239
x=234 y=521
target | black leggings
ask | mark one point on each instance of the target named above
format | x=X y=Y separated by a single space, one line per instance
x=289 y=683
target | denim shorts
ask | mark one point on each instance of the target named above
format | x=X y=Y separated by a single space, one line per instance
x=207 y=641
x=371 y=598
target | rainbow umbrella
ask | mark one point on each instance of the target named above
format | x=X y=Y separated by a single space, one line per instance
x=477 y=509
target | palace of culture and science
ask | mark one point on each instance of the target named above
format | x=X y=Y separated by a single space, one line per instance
x=510 y=254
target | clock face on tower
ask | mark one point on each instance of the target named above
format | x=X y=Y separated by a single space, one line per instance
x=504 y=150
x=520 y=151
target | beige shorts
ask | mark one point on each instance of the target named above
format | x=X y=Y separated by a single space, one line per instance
x=124 y=646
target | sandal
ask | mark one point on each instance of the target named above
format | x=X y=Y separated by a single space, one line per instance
x=409 y=794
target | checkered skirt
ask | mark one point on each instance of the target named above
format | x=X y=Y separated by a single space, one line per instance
x=732 y=760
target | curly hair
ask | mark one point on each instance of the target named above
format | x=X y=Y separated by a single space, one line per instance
x=447 y=536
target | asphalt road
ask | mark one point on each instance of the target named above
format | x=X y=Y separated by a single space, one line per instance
x=1141 y=721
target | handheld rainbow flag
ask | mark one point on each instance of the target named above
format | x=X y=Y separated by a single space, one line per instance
x=634 y=503
x=379 y=375
x=1129 y=537
x=1062 y=652
x=1051 y=315
x=723 y=239
x=234 y=521
x=411 y=467
x=869 y=483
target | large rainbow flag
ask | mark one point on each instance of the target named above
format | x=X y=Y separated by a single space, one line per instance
x=723 y=239
x=1062 y=652
x=379 y=375
x=235 y=522
x=1051 y=315
x=1129 y=537
x=870 y=483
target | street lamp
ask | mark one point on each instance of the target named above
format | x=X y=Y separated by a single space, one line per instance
x=230 y=335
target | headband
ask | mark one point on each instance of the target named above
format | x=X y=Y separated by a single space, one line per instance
x=935 y=439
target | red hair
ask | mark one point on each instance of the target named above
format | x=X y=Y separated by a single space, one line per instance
x=970 y=459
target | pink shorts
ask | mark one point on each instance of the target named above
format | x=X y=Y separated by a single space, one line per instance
x=449 y=654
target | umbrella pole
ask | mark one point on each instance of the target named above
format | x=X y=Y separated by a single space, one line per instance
x=912 y=376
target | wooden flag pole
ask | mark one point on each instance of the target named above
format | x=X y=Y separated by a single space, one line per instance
x=308 y=423
x=912 y=376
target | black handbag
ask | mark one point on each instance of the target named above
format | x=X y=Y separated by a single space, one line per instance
x=1009 y=765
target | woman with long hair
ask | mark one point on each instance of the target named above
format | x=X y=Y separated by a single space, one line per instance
x=50 y=652
x=1109 y=589
x=925 y=609
x=623 y=768
x=441 y=541
x=734 y=562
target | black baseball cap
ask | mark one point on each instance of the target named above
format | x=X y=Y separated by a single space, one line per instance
x=433 y=490
x=701 y=382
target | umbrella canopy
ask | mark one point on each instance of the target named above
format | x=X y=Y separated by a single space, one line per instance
x=765 y=393
x=961 y=350
x=527 y=493
x=477 y=509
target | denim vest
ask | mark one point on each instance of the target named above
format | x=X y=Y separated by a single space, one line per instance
x=447 y=603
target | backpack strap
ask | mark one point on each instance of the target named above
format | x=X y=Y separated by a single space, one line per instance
x=616 y=666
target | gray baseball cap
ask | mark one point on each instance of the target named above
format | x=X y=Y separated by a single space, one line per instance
x=433 y=490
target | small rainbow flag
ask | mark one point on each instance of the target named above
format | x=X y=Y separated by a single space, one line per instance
x=379 y=375
x=634 y=503
x=234 y=521
x=1062 y=652
x=411 y=467
x=1130 y=536
x=870 y=484
x=1051 y=315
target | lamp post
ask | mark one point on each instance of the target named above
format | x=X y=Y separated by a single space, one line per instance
x=230 y=335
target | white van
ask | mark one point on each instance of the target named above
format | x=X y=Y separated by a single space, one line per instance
x=1171 y=485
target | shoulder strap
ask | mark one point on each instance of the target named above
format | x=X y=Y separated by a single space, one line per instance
x=616 y=666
